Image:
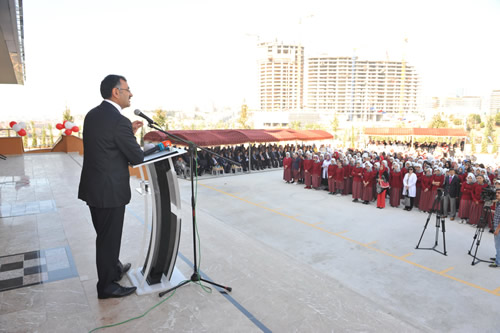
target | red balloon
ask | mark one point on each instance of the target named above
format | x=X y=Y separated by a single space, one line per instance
x=64 y=122
x=68 y=132
x=22 y=132
x=12 y=123
x=75 y=129
x=59 y=126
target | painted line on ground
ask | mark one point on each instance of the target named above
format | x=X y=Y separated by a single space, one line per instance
x=446 y=270
x=339 y=234
x=406 y=255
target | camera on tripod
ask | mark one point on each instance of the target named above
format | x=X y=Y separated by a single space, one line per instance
x=439 y=193
x=488 y=195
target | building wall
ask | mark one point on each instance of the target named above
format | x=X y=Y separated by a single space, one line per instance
x=281 y=76
x=363 y=88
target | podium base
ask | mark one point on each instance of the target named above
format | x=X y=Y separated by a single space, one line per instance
x=135 y=276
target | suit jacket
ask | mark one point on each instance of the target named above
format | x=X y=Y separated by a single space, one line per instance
x=109 y=147
x=452 y=189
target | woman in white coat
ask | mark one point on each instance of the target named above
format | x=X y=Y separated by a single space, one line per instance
x=410 y=187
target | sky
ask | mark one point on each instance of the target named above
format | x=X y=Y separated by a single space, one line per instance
x=178 y=55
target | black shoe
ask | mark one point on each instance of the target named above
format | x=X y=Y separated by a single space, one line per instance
x=123 y=270
x=118 y=292
x=355 y=200
x=493 y=259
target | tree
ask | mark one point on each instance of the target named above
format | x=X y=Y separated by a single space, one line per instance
x=242 y=120
x=51 y=135
x=296 y=125
x=438 y=122
x=67 y=115
x=472 y=142
x=44 y=137
x=484 y=145
x=25 y=141
x=472 y=121
x=495 y=145
x=34 y=137
x=160 y=117
x=335 y=125
x=497 y=119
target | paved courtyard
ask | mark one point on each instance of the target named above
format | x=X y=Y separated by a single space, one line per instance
x=298 y=261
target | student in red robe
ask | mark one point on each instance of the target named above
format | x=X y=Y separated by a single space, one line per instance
x=308 y=164
x=332 y=168
x=396 y=182
x=466 y=200
x=349 y=175
x=287 y=168
x=426 y=198
x=368 y=180
x=419 y=172
x=357 y=181
x=382 y=185
x=339 y=178
x=437 y=182
x=316 y=172
x=477 y=204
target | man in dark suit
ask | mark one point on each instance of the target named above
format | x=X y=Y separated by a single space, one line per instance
x=109 y=147
x=451 y=189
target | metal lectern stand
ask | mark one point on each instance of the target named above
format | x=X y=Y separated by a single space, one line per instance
x=159 y=272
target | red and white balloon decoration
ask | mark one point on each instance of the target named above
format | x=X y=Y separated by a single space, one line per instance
x=18 y=127
x=68 y=127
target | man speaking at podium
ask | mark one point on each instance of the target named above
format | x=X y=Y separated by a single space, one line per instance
x=109 y=146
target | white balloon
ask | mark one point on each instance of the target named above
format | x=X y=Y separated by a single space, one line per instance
x=22 y=124
x=16 y=127
x=69 y=125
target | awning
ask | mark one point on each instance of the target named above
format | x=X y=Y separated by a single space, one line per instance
x=239 y=136
x=386 y=131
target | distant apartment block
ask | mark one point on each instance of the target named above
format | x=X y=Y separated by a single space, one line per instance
x=495 y=102
x=281 y=76
x=361 y=88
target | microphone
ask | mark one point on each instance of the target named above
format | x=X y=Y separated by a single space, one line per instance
x=138 y=112
x=159 y=147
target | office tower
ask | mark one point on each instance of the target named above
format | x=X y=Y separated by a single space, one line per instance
x=281 y=76
x=361 y=89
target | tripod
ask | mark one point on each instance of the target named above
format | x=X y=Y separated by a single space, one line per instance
x=193 y=148
x=483 y=220
x=440 y=220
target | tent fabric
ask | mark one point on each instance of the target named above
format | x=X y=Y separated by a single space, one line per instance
x=239 y=136
x=386 y=131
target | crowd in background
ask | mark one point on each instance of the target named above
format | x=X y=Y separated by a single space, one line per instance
x=412 y=176
x=254 y=157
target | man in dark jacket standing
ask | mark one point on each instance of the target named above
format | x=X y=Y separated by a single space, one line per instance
x=109 y=147
x=451 y=188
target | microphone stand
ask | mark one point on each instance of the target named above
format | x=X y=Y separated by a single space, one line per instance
x=195 y=277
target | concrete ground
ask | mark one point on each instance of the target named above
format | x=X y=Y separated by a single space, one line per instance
x=298 y=261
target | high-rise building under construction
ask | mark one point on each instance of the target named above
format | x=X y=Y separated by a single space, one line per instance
x=361 y=89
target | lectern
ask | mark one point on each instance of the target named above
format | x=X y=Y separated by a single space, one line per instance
x=158 y=272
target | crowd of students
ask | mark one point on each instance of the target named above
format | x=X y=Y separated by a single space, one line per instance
x=413 y=179
x=254 y=157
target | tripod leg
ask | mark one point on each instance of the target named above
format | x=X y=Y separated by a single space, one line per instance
x=173 y=288
x=438 y=221
x=216 y=284
x=444 y=238
x=473 y=241
x=426 y=223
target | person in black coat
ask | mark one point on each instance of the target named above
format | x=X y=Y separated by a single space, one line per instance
x=451 y=189
x=109 y=148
